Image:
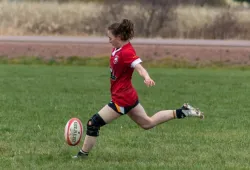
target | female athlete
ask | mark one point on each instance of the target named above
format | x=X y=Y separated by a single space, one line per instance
x=124 y=98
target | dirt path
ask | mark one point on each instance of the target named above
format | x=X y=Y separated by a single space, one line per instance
x=232 y=52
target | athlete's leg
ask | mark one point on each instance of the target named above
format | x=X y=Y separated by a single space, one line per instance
x=107 y=114
x=139 y=115
x=104 y=116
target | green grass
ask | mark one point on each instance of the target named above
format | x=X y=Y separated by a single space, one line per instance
x=37 y=101
x=101 y=61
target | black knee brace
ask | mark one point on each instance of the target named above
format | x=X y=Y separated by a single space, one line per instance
x=94 y=124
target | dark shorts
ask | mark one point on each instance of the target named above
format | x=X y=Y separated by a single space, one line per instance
x=122 y=110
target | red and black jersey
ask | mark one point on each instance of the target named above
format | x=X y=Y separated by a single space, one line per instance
x=122 y=63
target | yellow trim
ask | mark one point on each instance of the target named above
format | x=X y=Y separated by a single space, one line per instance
x=118 y=108
x=174 y=114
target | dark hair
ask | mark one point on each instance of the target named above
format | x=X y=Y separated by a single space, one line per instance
x=125 y=29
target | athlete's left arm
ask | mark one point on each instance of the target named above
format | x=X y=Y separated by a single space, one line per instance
x=143 y=72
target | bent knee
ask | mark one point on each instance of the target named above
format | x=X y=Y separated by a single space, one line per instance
x=147 y=126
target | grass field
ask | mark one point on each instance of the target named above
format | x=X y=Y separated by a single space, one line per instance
x=37 y=101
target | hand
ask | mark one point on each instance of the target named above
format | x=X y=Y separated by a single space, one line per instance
x=149 y=82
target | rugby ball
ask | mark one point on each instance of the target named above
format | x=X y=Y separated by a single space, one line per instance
x=73 y=131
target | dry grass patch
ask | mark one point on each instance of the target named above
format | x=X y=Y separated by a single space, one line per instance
x=92 y=18
x=46 y=18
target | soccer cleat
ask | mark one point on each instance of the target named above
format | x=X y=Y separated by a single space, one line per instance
x=190 y=111
x=80 y=155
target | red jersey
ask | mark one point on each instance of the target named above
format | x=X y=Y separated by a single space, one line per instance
x=122 y=63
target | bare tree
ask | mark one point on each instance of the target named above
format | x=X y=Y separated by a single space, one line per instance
x=159 y=13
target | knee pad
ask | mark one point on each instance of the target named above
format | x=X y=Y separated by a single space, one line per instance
x=94 y=124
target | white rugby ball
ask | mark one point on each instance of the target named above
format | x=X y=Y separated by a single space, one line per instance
x=73 y=131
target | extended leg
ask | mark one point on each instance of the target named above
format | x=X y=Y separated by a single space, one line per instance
x=139 y=115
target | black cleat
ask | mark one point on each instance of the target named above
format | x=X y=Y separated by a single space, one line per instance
x=80 y=155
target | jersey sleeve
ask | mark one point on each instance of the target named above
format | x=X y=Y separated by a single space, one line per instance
x=130 y=58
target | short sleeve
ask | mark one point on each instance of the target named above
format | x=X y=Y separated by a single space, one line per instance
x=130 y=58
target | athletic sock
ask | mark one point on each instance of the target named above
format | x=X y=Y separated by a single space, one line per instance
x=180 y=114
